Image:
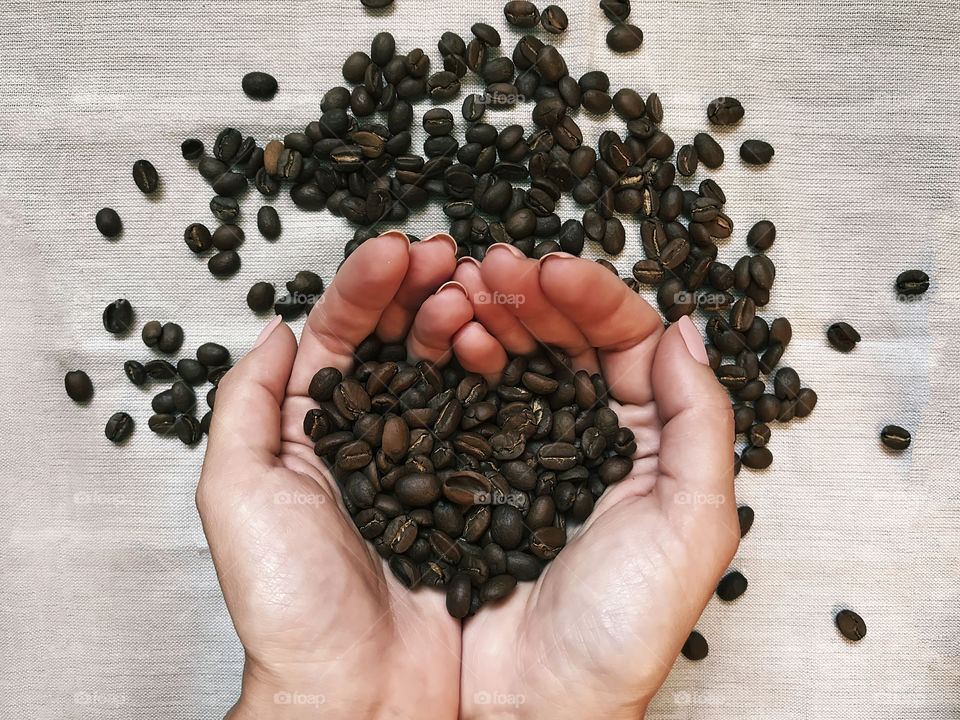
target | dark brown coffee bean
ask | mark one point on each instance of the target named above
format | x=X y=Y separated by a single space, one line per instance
x=458 y=596
x=895 y=437
x=119 y=427
x=842 y=336
x=745 y=518
x=418 y=489
x=786 y=383
x=756 y=152
x=709 y=151
x=757 y=458
x=695 y=648
x=521 y=14
x=118 y=317
x=547 y=542
x=762 y=235
x=732 y=586
x=624 y=37
x=498 y=587
x=851 y=625
x=912 y=282
x=725 y=111
x=400 y=534
x=466 y=487
x=78 y=386
x=145 y=176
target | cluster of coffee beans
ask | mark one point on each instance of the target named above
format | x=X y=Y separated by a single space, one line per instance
x=460 y=485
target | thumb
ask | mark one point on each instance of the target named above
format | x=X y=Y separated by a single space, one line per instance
x=696 y=443
x=246 y=419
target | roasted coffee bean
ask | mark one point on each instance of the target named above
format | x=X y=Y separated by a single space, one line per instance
x=912 y=282
x=547 y=542
x=259 y=85
x=732 y=586
x=758 y=435
x=756 y=152
x=119 y=427
x=224 y=263
x=162 y=423
x=191 y=149
x=551 y=64
x=187 y=428
x=198 y=238
x=708 y=150
x=687 y=160
x=213 y=355
x=805 y=403
x=418 y=489
x=521 y=14
x=159 y=370
x=745 y=518
x=695 y=648
x=725 y=111
x=150 y=333
x=842 y=336
x=786 y=384
x=850 y=625
x=225 y=209
x=118 y=317
x=624 y=37
x=145 y=176
x=895 y=437
x=260 y=297
x=675 y=300
x=108 y=222
x=268 y=222
x=458 y=596
x=554 y=20
x=762 y=235
x=781 y=331
x=171 y=338
x=757 y=458
x=78 y=386
x=137 y=374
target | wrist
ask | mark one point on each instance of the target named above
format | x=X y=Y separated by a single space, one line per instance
x=271 y=695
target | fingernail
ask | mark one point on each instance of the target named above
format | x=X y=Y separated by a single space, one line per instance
x=515 y=251
x=468 y=259
x=452 y=283
x=693 y=341
x=396 y=234
x=558 y=256
x=267 y=331
x=444 y=237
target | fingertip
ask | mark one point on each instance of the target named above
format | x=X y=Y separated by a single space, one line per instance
x=478 y=351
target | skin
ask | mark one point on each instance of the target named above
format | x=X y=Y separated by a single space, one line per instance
x=316 y=609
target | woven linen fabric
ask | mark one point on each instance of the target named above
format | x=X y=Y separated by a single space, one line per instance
x=109 y=605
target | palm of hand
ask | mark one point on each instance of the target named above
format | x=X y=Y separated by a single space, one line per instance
x=600 y=628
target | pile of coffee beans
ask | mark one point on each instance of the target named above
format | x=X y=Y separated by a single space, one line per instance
x=460 y=485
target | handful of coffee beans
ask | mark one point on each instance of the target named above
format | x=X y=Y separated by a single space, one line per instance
x=463 y=486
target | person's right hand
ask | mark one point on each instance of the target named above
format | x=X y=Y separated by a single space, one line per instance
x=598 y=632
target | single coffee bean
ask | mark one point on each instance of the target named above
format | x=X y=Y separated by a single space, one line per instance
x=78 y=386
x=160 y=369
x=225 y=209
x=757 y=458
x=624 y=37
x=191 y=149
x=119 y=427
x=709 y=151
x=418 y=489
x=224 y=263
x=756 y=152
x=458 y=596
x=912 y=282
x=725 y=111
x=695 y=648
x=786 y=384
x=259 y=85
x=171 y=338
x=762 y=235
x=842 y=336
x=850 y=625
x=547 y=542
x=162 y=423
x=118 y=317
x=260 y=297
x=268 y=222
x=323 y=384
x=198 y=238
x=616 y=10
x=187 y=428
x=687 y=160
x=521 y=14
x=732 y=586
x=745 y=518
x=136 y=373
x=758 y=435
x=192 y=371
x=895 y=437
x=806 y=402
x=554 y=20
x=213 y=355
x=108 y=222
x=145 y=176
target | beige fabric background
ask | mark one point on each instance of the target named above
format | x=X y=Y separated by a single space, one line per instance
x=109 y=606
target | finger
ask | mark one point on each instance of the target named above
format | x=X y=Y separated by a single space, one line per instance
x=619 y=323
x=432 y=262
x=351 y=307
x=696 y=443
x=497 y=318
x=505 y=270
x=479 y=352
x=438 y=320
x=246 y=424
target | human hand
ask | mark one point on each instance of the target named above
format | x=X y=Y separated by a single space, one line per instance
x=324 y=628
x=598 y=632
